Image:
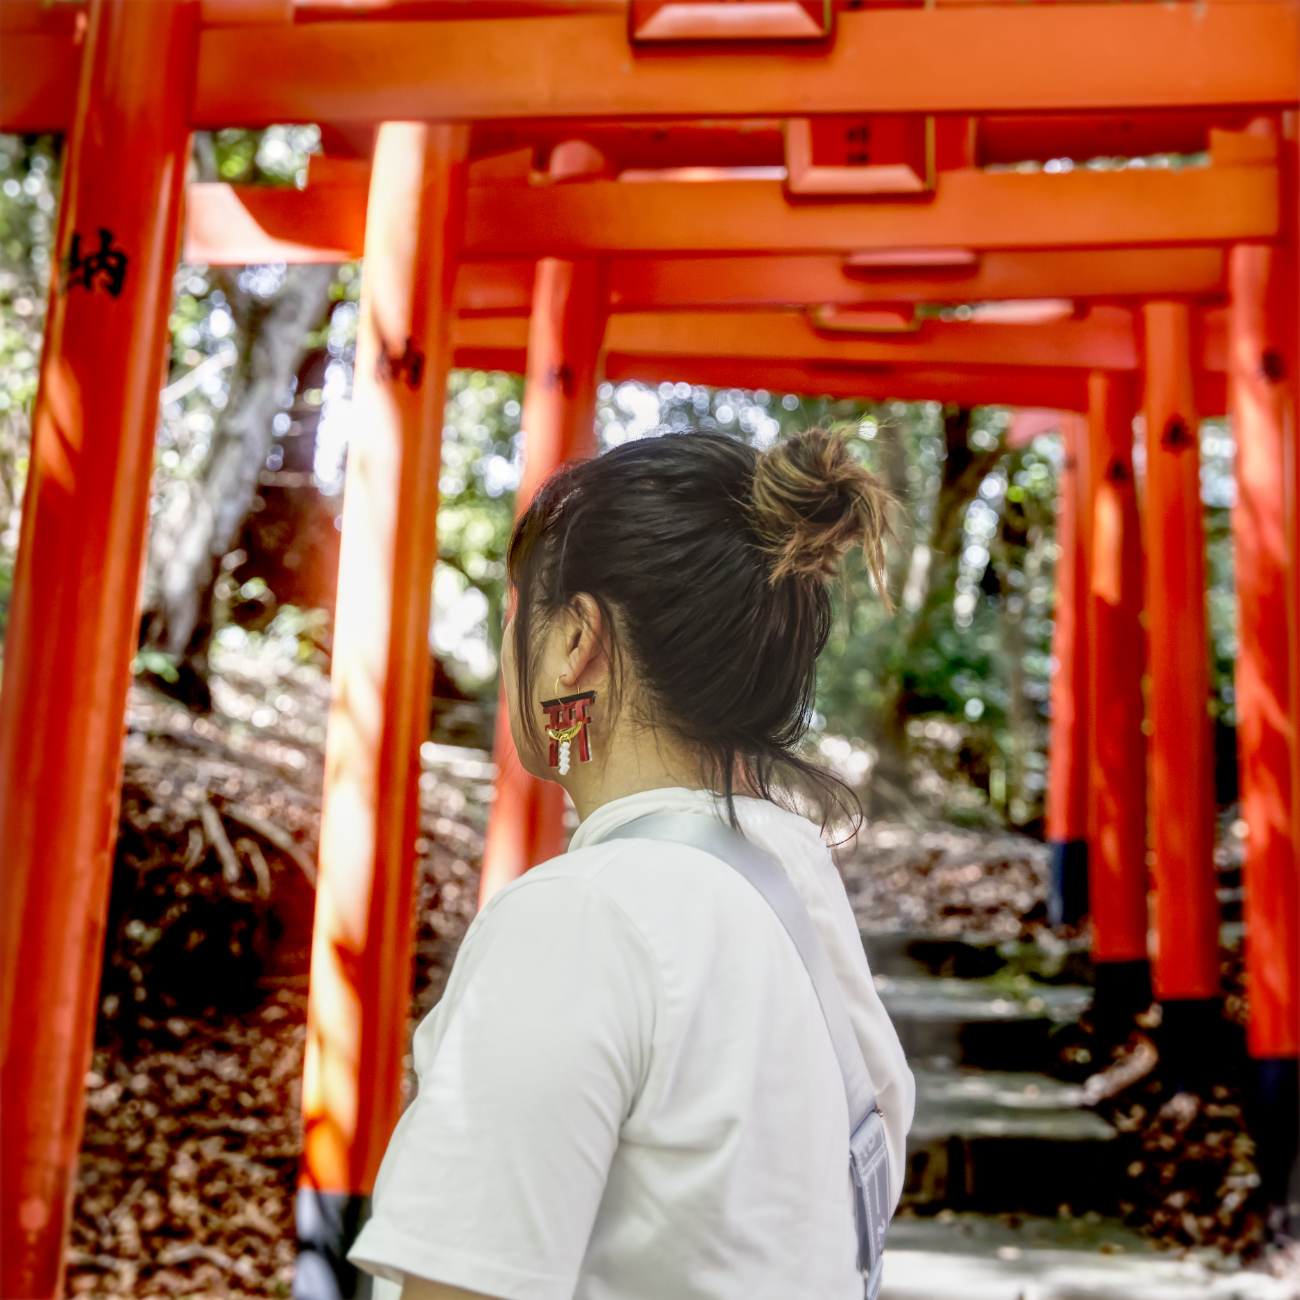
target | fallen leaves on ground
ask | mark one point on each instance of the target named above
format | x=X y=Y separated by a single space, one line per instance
x=944 y=881
x=1193 y=1184
x=192 y=1141
x=189 y=1161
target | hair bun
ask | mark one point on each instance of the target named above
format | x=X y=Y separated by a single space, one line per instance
x=811 y=501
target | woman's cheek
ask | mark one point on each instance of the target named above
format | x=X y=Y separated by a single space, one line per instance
x=510 y=685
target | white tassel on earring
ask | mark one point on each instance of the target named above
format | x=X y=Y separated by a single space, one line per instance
x=564 y=738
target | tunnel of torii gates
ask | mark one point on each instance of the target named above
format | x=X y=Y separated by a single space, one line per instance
x=734 y=194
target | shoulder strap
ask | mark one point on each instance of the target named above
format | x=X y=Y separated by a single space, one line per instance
x=766 y=876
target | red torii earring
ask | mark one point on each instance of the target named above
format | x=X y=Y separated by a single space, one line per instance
x=567 y=720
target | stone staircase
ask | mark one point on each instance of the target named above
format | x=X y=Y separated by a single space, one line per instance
x=1013 y=1183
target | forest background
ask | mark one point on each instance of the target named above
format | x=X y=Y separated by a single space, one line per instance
x=938 y=710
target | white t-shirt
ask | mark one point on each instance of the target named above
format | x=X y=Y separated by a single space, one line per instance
x=628 y=1091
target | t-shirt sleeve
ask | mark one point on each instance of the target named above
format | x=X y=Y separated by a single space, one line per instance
x=494 y=1175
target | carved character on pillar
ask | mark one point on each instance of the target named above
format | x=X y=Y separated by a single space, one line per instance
x=1272 y=366
x=563 y=376
x=104 y=268
x=409 y=366
x=1177 y=436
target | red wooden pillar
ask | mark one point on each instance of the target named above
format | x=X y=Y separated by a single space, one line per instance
x=570 y=303
x=72 y=627
x=1117 y=805
x=1286 y=321
x=1067 y=787
x=361 y=945
x=1263 y=565
x=1181 y=751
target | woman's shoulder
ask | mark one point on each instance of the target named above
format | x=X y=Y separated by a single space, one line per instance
x=673 y=896
x=796 y=841
x=768 y=813
x=567 y=898
x=622 y=870
x=608 y=873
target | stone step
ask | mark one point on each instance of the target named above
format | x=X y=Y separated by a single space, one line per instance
x=978 y=1257
x=1008 y=1236
x=903 y=953
x=936 y=997
x=1007 y=1142
x=996 y=1023
x=993 y=1131
x=1016 y=1175
x=975 y=957
x=965 y=1103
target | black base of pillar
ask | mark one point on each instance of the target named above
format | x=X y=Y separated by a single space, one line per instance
x=1067 y=895
x=328 y=1224
x=1274 y=1117
x=1122 y=991
x=1194 y=1041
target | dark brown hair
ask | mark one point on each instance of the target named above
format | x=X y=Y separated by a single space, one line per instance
x=709 y=562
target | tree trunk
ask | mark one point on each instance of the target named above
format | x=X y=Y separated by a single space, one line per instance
x=930 y=585
x=203 y=523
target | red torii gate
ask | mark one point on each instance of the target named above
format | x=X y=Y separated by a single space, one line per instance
x=1001 y=69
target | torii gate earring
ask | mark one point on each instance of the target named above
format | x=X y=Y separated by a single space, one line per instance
x=567 y=720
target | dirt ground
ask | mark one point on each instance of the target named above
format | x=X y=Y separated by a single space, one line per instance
x=190 y=1156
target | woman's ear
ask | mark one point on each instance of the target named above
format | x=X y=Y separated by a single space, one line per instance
x=585 y=654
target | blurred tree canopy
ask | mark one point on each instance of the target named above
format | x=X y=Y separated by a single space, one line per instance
x=29 y=186
x=942 y=705
x=954 y=686
x=243 y=336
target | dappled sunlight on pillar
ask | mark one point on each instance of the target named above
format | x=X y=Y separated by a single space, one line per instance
x=1265 y=721
x=72 y=626
x=361 y=947
x=1116 y=660
x=1182 y=807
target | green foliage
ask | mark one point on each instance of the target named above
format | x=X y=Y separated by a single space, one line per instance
x=205 y=344
x=278 y=155
x=205 y=338
x=154 y=663
x=29 y=184
x=296 y=636
x=958 y=677
x=967 y=667
x=1219 y=493
x=204 y=348
x=482 y=455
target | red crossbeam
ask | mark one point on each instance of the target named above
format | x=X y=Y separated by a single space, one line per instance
x=971 y=210
x=1104 y=339
x=994 y=59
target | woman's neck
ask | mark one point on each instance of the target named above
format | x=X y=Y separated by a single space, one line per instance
x=636 y=760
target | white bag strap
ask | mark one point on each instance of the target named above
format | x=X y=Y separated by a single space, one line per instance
x=763 y=872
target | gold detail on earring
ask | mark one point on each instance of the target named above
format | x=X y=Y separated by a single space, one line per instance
x=567 y=721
